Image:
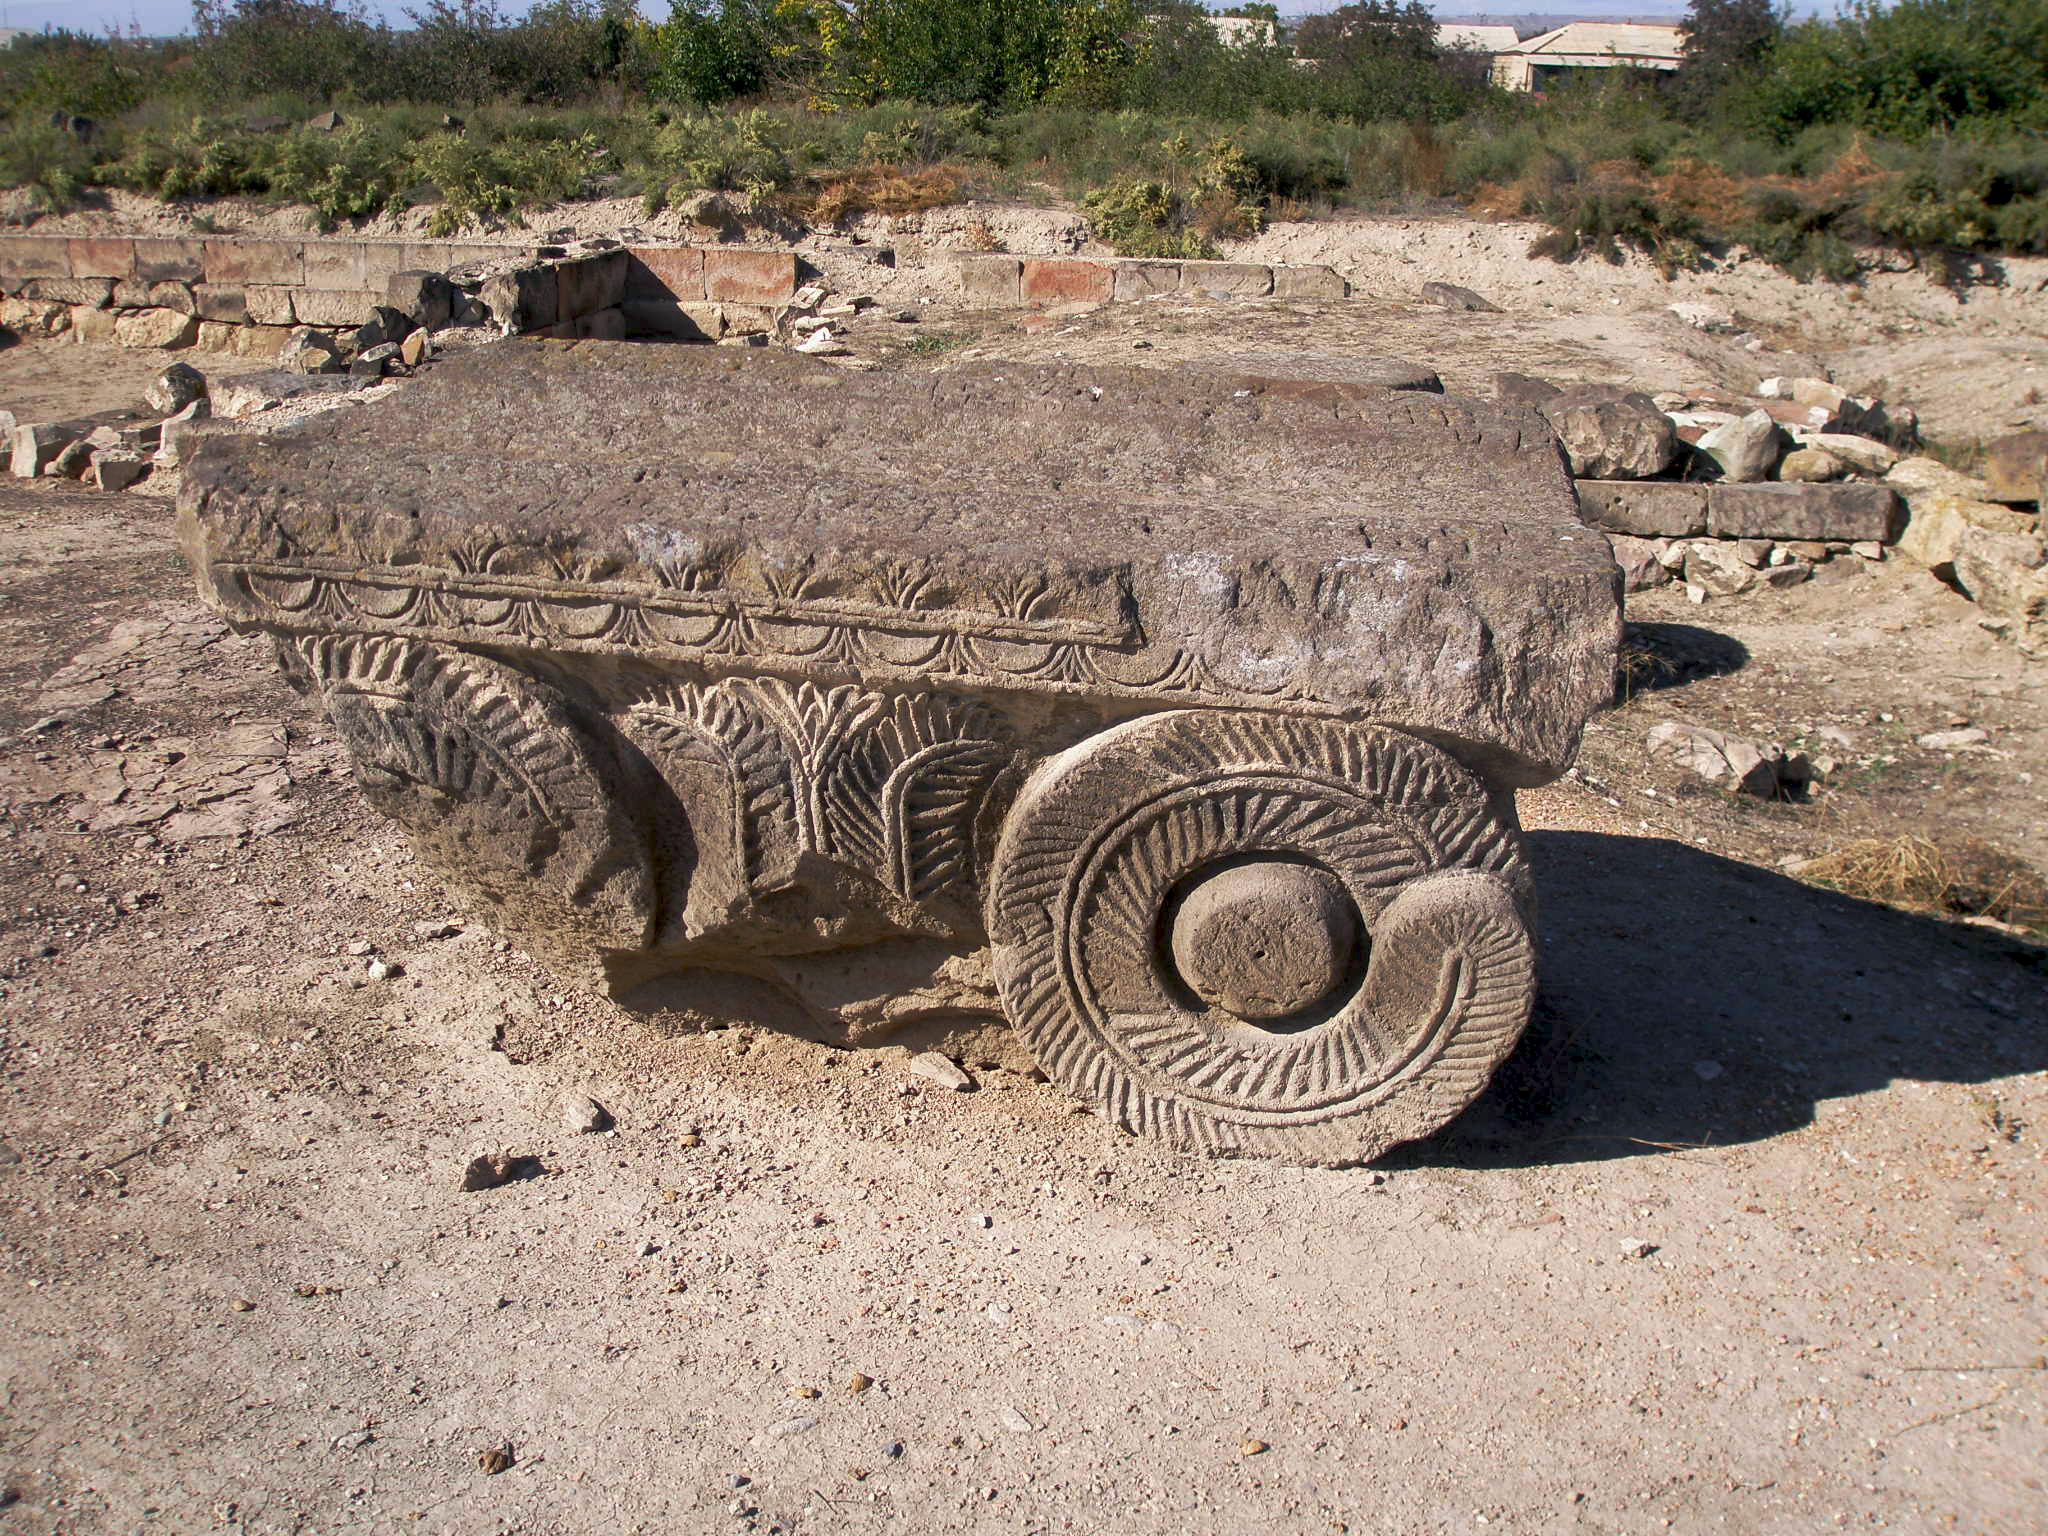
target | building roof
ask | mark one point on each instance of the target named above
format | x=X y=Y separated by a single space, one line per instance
x=1478 y=39
x=1606 y=39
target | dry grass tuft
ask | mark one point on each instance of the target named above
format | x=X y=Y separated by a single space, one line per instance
x=1969 y=878
x=885 y=189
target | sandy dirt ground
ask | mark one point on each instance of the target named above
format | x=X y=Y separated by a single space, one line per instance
x=1749 y=1235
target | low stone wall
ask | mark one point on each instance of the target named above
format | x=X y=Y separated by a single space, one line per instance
x=150 y=291
x=1008 y=282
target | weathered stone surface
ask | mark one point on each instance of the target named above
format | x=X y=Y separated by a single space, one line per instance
x=1663 y=509
x=425 y=298
x=1611 y=434
x=1052 y=281
x=1936 y=523
x=1451 y=296
x=524 y=298
x=749 y=277
x=1244 y=279
x=92 y=327
x=228 y=302
x=309 y=351
x=673 y=273
x=115 y=469
x=1521 y=389
x=25 y=257
x=1142 y=279
x=108 y=257
x=590 y=284
x=1641 y=562
x=174 y=389
x=2007 y=575
x=170 y=261
x=992 y=282
x=1810 y=466
x=247 y=394
x=1745 y=449
x=1865 y=455
x=80 y=292
x=1309 y=283
x=35 y=317
x=1352 y=375
x=340 y=307
x=161 y=328
x=1843 y=512
x=260 y=304
x=176 y=296
x=1716 y=757
x=935 y=696
x=240 y=262
x=1718 y=569
x=2016 y=467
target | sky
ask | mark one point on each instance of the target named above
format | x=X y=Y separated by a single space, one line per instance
x=157 y=18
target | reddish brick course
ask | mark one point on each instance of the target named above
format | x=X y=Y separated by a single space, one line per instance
x=749 y=277
x=1067 y=282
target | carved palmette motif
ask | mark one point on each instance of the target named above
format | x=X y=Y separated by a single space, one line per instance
x=775 y=775
x=495 y=781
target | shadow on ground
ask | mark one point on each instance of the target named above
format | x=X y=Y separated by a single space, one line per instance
x=1694 y=1000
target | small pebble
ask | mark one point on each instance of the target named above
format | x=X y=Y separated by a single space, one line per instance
x=584 y=1116
x=383 y=970
x=494 y=1459
x=1252 y=1447
x=858 y=1383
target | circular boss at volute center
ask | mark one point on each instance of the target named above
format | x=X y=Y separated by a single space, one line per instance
x=1136 y=882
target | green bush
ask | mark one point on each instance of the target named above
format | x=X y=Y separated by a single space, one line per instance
x=1142 y=218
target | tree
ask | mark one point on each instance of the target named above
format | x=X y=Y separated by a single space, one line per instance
x=1367 y=33
x=1725 y=42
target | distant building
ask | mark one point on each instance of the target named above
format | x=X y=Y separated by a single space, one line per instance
x=9 y=34
x=1452 y=34
x=1245 y=31
x=1550 y=60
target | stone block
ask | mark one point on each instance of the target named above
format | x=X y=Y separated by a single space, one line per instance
x=1611 y=434
x=1309 y=283
x=747 y=319
x=1063 y=280
x=264 y=305
x=178 y=296
x=1250 y=280
x=1142 y=279
x=1463 y=300
x=2006 y=574
x=991 y=282
x=93 y=327
x=588 y=285
x=250 y=394
x=439 y=256
x=2016 y=467
x=79 y=292
x=1747 y=448
x=170 y=261
x=130 y=293
x=1846 y=512
x=425 y=298
x=279 y=262
x=749 y=277
x=35 y=446
x=522 y=299
x=341 y=307
x=1649 y=509
x=229 y=302
x=678 y=322
x=26 y=256
x=671 y=272
x=108 y=257
x=1641 y=562
x=115 y=469
x=34 y=317
x=165 y=329
x=1936 y=523
x=898 y=717
x=352 y=265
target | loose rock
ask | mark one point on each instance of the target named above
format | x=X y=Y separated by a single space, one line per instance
x=584 y=1116
x=942 y=1070
x=177 y=387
